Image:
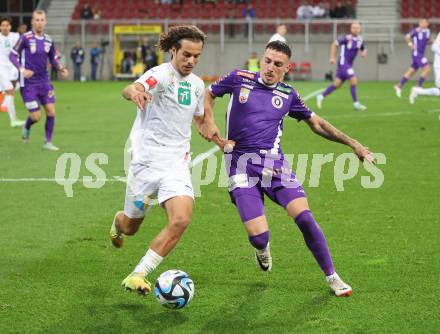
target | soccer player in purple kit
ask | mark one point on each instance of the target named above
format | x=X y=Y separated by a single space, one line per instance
x=259 y=102
x=35 y=48
x=417 y=40
x=349 y=46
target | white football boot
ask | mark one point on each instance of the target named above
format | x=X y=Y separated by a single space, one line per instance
x=338 y=286
x=263 y=258
x=413 y=95
x=358 y=106
x=398 y=91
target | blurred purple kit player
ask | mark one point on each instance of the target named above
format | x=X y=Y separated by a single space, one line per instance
x=417 y=40
x=349 y=45
x=30 y=55
x=254 y=121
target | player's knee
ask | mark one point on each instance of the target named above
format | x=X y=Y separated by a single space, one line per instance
x=179 y=223
x=304 y=218
x=35 y=116
x=259 y=241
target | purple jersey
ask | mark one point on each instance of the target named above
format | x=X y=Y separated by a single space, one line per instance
x=34 y=52
x=349 y=47
x=420 y=38
x=254 y=119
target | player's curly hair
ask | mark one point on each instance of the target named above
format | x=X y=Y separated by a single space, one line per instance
x=280 y=47
x=176 y=33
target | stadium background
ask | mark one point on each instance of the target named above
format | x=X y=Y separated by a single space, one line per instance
x=384 y=24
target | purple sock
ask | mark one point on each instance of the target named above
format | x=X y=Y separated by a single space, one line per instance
x=29 y=123
x=353 y=93
x=402 y=82
x=329 y=90
x=420 y=82
x=315 y=241
x=50 y=124
x=259 y=241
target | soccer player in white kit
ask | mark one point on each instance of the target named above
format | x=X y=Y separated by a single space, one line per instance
x=434 y=91
x=8 y=72
x=168 y=98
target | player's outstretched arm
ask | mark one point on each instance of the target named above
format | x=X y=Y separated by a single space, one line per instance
x=333 y=52
x=136 y=93
x=323 y=128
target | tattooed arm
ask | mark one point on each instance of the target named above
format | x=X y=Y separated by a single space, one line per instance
x=323 y=128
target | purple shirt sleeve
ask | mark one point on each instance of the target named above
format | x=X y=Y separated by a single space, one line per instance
x=298 y=108
x=16 y=50
x=224 y=85
x=53 y=56
x=412 y=33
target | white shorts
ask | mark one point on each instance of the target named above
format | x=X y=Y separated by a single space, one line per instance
x=7 y=74
x=160 y=178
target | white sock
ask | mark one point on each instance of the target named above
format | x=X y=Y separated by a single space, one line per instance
x=148 y=263
x=434 y=91
x=9 y=103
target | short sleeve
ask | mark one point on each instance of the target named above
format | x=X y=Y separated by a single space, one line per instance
x=200 y=108
x=152 y=80
x=224 y=85
x=19 y=45
x=298 y=108
x=412 y=33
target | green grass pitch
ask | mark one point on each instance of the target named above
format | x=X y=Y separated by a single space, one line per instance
x=60 y=274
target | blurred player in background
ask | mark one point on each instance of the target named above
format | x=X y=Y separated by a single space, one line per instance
x=8 y=72
x=34 y=49
x=349 y=46
x=434 y=91
x=280 y=34
x=417 y=40
x=258 y=105
x=168 y=98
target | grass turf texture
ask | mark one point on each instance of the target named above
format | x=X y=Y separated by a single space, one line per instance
x=59 y=272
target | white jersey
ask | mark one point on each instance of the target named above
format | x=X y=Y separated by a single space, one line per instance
x=436 y=49
x=165 y=124
x=6 y=45
x=277 y=37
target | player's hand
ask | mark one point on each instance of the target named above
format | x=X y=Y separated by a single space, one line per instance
x=208 y=130
x=228 y=146
x=140 y=99
x=363 y=153
x=332 y=61
x=64 y=73
x=27 y=73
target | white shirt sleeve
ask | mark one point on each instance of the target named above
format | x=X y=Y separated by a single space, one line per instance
x=154 y=80
x=200 y=109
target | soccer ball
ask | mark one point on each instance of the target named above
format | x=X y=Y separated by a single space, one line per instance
x=174 y=289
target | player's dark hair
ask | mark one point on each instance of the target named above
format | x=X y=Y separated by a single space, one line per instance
x=280 y=47
x=176 y=33
x=5 y=18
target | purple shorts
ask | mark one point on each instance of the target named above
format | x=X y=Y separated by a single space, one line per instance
x=36 y=95
x=251 y=175
x=419 y=62
x=345 y=72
